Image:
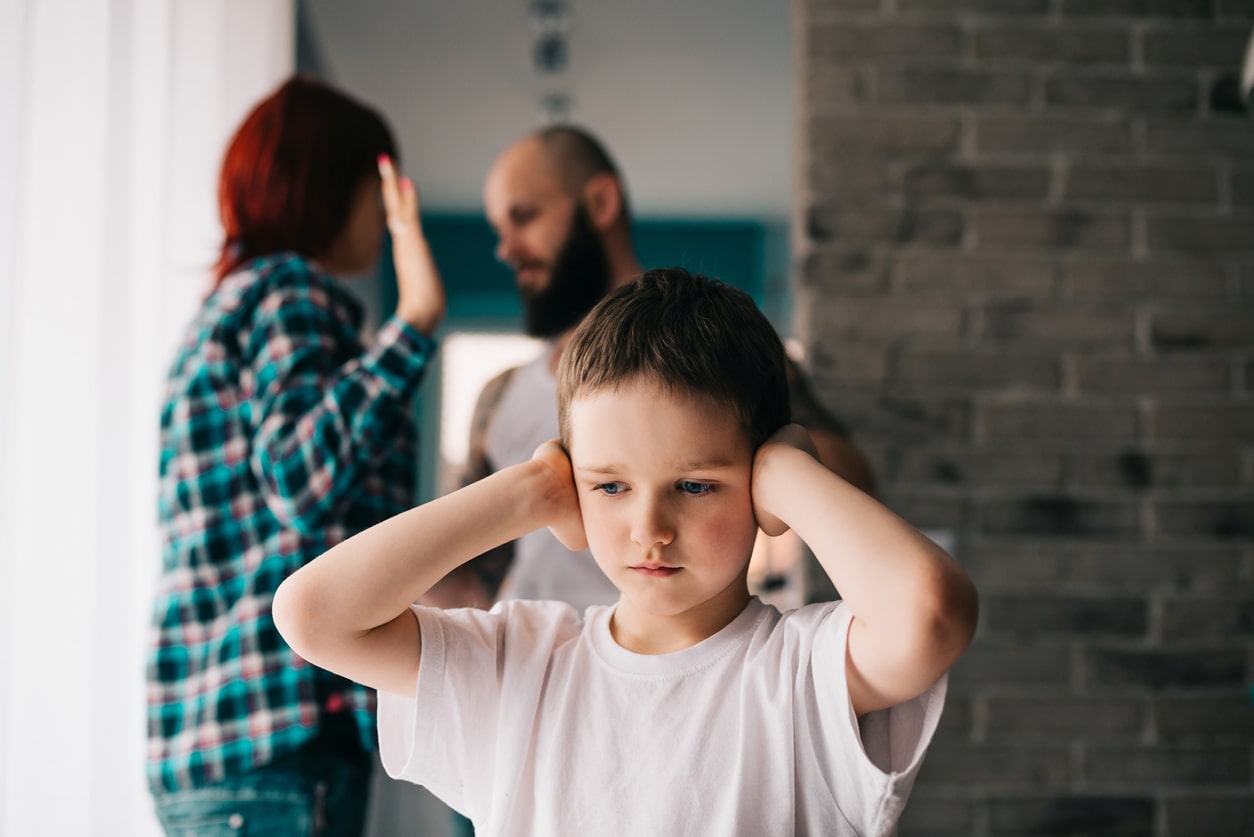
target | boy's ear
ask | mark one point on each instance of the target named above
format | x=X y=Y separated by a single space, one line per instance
x=603 y=198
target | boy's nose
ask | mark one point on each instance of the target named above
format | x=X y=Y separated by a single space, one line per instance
x=651 y=527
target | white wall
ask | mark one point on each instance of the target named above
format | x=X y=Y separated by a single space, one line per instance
x=116 y=114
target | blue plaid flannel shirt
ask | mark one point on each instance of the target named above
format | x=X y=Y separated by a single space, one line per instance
x=281 y=436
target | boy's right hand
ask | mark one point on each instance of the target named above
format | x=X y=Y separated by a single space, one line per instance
x=565 y=518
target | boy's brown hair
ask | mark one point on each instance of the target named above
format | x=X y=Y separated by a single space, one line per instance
x=694 y=335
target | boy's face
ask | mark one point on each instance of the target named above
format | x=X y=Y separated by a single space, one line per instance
x=663 y=482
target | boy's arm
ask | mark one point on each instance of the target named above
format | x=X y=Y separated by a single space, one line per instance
x=914 y=609
x=348 y=610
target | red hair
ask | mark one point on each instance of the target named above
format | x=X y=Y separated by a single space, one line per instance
x=290 y=171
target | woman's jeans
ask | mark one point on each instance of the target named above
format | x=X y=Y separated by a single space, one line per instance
x=314 y=792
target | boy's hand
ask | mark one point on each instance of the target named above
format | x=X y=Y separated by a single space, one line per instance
x=563 y=514
x=790 y=437
x=420 y=293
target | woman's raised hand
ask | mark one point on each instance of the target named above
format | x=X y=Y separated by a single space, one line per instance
x=420 y=292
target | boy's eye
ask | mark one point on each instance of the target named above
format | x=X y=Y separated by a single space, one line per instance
x=610 y=489
x=693 y=487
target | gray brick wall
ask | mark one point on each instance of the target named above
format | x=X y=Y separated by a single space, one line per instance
x=1026 y=279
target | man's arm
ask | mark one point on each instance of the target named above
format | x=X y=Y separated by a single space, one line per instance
x=914 y=609
x=348 y=610
x=477 y=582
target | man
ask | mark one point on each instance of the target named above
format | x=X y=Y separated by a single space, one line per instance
x=559 y=208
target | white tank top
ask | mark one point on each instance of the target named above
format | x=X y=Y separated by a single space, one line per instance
x=543 y=569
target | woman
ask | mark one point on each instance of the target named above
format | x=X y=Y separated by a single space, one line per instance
x=282 y=434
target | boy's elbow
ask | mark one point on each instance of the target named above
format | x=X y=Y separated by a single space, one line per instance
x=289 y=610
x=951 y=609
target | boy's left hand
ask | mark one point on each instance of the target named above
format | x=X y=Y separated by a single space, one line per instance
x=788 y=438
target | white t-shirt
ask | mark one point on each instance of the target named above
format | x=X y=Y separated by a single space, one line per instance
x=530 y=721
x=543 y=569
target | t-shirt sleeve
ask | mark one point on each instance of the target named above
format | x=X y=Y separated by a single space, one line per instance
x=481 y=676
x=873 y=760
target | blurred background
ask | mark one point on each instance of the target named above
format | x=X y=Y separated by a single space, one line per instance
x=1012 y=241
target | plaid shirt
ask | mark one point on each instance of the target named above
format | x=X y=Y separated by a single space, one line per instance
x=281 y=436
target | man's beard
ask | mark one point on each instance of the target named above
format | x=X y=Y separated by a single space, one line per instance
x=579 y=278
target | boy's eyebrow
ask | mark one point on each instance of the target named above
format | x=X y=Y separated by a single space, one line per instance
x=717 y=464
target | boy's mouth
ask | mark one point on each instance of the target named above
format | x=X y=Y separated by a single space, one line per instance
x=656 y=570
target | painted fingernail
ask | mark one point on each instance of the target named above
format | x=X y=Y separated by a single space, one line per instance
x=385 y=162
x=407 y=184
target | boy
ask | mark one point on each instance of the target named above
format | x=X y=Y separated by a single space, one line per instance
x=688 y=707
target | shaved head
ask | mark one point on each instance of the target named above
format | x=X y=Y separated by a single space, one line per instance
x=576 y=154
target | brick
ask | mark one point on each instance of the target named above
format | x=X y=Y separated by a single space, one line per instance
x=821 y=9
x=903 y=416
x=1231 y=517
x=997 y=664
x=882 y=135
x=884 y=225
x=1210 y=815
x=1212 y=46
x=955 y=723
x=834 y=366
x=1168 y=765
x=1243 y=285
x=1142 y=183
x=842 y=43
x=936 y=816
x=858 y=175
x=1093 y=816
x=1038 y=615
x=1200 y=233
x=1123 y=279
x=995 y=766
x=977 y=371
x=1191 y=329
x=1235 y=8
x=1042 y=420
x=1064 y=717
x=1220 y=423
x=1161 y=669
x=1058 y=516
x=973 y=277
x=1200 y=136
x=973 y=467
x=1242 y=186
x=977 y=182
x=1050 y=134
x=846 y=270
x=981 y=8
x=881 y=318
x=1091 y=567
x=1150 y=376
x=925 y=511
x=1208 y=618
x=1134 y=469
x=1205 y=719
x=1126 y=92
x=1016 y=322
x=830 y=87
x=952 y=86
x=1139 y=8
x=1040 y=229
x=1065 y=44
